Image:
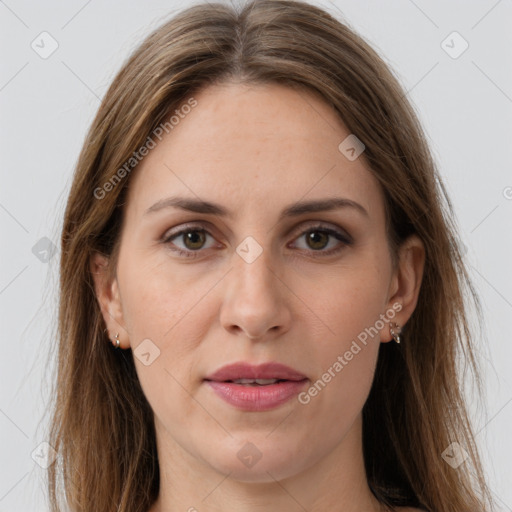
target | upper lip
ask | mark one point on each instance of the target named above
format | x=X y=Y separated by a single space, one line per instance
x=243 y=370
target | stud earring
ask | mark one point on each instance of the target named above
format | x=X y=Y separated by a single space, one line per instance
x=117 y=342
x=395 y=331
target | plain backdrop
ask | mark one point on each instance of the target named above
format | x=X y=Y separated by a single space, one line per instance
x=464 y=101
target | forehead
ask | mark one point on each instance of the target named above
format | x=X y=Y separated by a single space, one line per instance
x=246 y=146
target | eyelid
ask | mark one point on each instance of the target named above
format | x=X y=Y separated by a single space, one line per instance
x=322 y=226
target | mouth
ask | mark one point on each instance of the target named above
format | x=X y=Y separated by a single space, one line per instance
x=262 y=375
x=256 y=388
x=256 y=382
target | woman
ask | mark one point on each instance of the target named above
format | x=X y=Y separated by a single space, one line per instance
x=258 y=227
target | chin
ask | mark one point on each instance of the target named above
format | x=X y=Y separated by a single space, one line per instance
x=257 y=461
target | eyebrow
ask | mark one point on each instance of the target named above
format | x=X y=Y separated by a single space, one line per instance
x=293 y=210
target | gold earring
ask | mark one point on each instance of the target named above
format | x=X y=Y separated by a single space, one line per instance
x=395 y=334
x=118 y=343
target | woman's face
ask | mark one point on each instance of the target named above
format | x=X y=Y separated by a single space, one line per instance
x=267 y=281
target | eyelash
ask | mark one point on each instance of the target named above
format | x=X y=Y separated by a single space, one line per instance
x=339 y=235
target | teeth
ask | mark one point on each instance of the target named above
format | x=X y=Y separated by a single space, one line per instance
x=261 y=382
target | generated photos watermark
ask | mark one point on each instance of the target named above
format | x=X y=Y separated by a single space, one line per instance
x=149 y=144
x=343 y=360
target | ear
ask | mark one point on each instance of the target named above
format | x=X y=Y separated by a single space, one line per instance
x=109 y=299
x=405 y=284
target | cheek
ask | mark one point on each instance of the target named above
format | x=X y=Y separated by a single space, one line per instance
x=155 y=299
x=346 y=369
x=348 y=353
x=353 y=301
x=338 y=400
x=170 y=310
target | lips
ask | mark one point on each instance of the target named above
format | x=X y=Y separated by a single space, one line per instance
x=247 y=373
x=256 y=388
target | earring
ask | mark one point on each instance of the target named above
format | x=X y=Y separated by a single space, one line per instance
x=395 y=334
x=118 y=343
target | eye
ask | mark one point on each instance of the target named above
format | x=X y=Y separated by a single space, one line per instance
x=192 y=237
x=318 y=238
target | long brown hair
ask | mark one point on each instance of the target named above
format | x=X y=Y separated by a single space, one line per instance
x=102 y=425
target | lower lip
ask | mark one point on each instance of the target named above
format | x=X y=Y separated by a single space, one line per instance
x=257 y=398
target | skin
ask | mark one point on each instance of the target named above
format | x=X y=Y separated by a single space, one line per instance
x=255 y=150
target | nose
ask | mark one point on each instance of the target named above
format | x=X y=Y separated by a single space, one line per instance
x=256 y=300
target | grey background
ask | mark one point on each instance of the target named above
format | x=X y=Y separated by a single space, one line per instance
x=46 y=105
